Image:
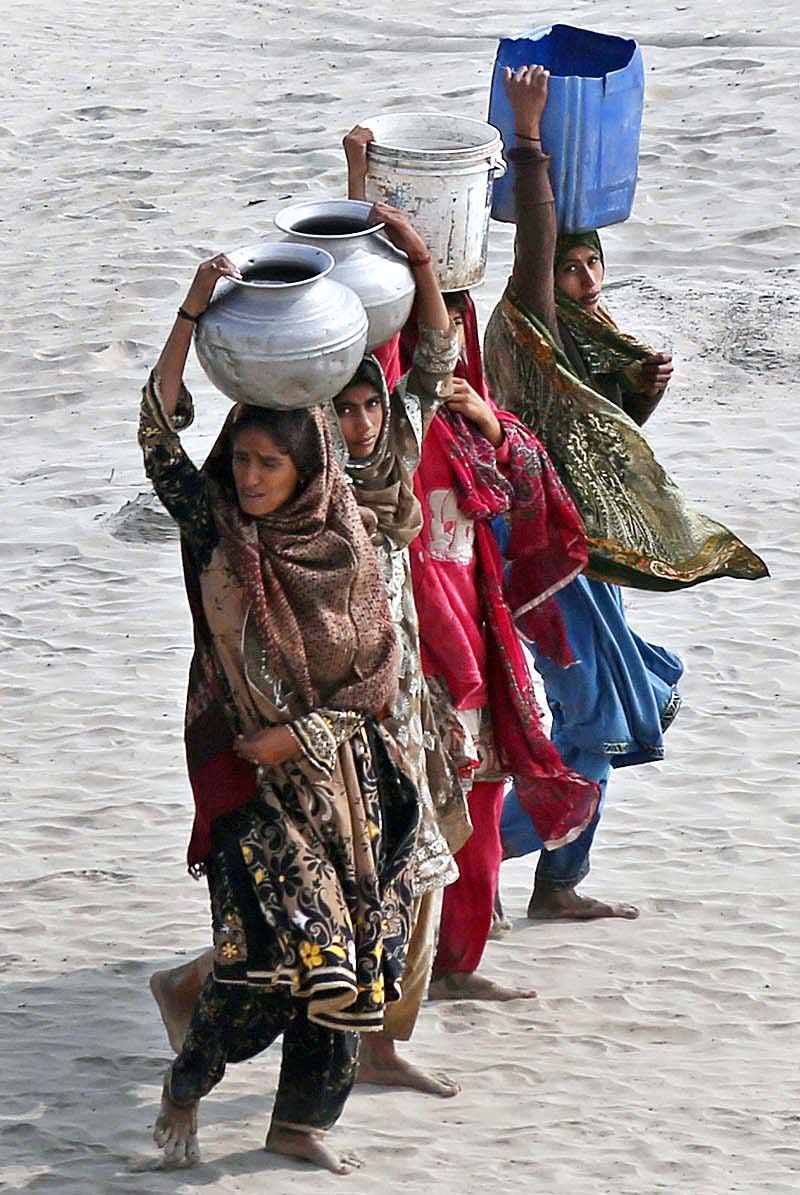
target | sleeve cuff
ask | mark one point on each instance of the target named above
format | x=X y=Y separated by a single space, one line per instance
x=436 y=352
x=527 y=153
x=184 y=412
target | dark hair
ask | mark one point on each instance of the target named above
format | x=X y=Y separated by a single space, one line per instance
x=294 y=432
x=364 y=375
x=455 y=300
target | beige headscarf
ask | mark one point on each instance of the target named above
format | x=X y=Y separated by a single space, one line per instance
x=384 y=481
x=309 y=574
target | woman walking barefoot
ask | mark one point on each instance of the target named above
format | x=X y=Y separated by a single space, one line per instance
x=480 y=464
x=383 y=433
x=555 y=356
x=477 y=463
x=295 y=659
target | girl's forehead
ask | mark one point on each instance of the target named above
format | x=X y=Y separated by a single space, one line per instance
x=358 y=392
x=579 y=253
x=258 y=440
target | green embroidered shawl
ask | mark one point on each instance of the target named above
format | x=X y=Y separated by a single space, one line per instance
x=641 y=530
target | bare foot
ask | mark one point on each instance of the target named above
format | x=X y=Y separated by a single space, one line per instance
x=309 y=1148
x=500 y=924
x=380 y=1063
x=176 y=1131
x=175 y=992
x=564 y=904
x=466 y=985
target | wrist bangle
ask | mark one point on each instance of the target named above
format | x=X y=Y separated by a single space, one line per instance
x=187 y=315
x=525 y=137
x=420 y=261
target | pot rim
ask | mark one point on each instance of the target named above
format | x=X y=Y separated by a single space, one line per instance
x=285 y=218
x=287 y=252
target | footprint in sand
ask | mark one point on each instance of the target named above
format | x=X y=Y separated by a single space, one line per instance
x=106 y=112
x=727 y=64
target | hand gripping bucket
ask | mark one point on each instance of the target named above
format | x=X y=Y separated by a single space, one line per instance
x=590 y=126
x=439 y=169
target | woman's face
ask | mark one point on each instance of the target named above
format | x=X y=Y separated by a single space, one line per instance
x=360 y=413
x=580 y=276
x=457 y=319
x=265 y=476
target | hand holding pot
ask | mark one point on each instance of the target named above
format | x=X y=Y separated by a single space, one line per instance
x=431 y=309
x=170 y=365
x=400 y=231
x=206 y=278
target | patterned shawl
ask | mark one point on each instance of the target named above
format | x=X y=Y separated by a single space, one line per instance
x=548 y=533
x=309 y=880
x=547 y=548
x=320 y=623
x=599 y=349
x=640 y=529
x=384 y=489
x=309 y=574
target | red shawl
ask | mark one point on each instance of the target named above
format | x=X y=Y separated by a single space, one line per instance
x=388 y=357
x=547 y=550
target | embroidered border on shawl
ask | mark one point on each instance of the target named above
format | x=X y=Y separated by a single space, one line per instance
x=654 y=754
x=320 y=735
x=548 y=593
x=349 y=1016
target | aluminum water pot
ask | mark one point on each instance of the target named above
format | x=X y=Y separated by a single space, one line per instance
x=287 y=335
x=365 y=261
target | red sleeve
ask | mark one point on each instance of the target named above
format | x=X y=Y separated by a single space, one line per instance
x=388 y=357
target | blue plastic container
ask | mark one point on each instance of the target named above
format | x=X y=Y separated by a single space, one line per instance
x=590 y=126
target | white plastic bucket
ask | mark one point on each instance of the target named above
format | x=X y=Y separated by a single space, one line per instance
x=439 y=169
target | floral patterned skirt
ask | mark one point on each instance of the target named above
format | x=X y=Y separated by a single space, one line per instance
x=310 y=884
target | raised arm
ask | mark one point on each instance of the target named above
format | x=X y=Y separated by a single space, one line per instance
x=166 y=409
x=431 y=309
x=535 y=244
x=172 y=362
x=355 y=150
x=430 y=378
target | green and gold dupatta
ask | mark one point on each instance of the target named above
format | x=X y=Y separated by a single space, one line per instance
x=640 y=528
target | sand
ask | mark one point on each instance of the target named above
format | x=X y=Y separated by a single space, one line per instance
x=137 y=138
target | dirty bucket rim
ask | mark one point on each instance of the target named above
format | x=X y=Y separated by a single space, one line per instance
x=486 y=147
